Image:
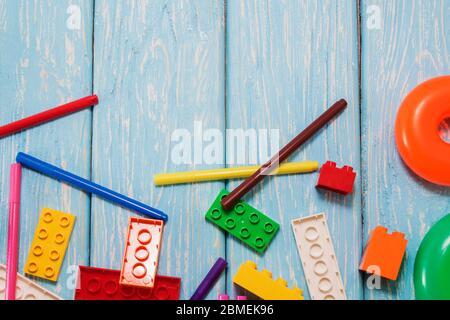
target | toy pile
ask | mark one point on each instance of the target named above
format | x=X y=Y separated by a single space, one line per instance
x=138 y=278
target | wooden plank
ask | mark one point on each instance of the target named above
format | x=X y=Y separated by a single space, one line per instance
x=45 y=62
x=411 y=45
x=287 y=62
x=158 y=68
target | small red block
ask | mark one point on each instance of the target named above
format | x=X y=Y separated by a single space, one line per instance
x=339 y=180
x=103 y=284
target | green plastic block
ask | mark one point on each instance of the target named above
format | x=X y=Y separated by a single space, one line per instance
x=244 y=222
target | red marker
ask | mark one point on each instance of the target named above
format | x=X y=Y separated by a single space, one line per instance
x=48 y=115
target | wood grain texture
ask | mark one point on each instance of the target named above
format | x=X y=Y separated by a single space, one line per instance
x=287 y=62
x=411 y=47
x=158 y=68
x=44 y=64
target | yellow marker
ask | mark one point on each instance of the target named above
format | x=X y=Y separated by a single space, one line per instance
x=262 y=285
x=49 y=244
x=230 y=173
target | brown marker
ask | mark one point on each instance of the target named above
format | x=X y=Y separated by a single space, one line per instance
x=229 y=201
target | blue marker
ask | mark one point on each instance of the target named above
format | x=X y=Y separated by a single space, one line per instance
x=88 y=186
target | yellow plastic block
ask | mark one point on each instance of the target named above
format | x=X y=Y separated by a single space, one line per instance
x=261 y=284
x=49 y=245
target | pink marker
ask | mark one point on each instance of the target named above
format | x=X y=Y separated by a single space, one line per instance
x=13 y=231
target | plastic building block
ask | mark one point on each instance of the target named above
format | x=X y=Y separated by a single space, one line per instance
x=141 y=256
x=261 y=284
x=103 y=284
x=244 y=222
x=49 y=244
x=25 y=288
x=318 y=258
x=206 y=285
x=335 y=179
x=384 y=253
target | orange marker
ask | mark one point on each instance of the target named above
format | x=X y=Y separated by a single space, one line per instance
x=384 y=253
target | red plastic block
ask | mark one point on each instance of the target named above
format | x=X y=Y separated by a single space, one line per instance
x=384 y=253
x=103 y=284
x=336 y=179
x=141 y=256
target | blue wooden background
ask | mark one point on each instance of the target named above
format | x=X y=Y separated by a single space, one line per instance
x=158 y=66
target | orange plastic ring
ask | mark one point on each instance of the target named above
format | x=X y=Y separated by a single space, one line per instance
x=417 y=130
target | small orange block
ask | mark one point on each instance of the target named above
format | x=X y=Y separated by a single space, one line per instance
x=384 y=253
x=141 y=256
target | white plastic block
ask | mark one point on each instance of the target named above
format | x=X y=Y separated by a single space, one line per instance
x=25 y=288
x=318 y=258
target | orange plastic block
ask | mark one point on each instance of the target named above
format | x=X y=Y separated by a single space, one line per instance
x=49 y=245
x=384 y=253
x=141 y=256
